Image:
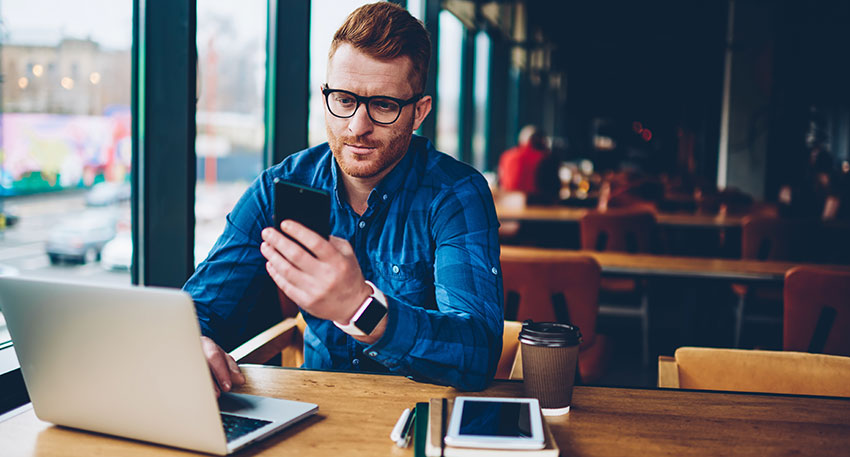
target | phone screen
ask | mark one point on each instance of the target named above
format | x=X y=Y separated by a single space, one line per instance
x=495 y=418
x=306 y=205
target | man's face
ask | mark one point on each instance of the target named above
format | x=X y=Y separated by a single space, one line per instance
x=362 y=148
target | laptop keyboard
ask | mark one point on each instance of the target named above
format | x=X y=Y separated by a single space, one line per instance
x=237 y=426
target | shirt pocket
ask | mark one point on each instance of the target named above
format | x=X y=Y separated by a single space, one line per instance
x=408 y=280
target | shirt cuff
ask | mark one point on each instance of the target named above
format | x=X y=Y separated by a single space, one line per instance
x=399 y=335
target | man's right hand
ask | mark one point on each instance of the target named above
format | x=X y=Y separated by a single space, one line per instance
x=224 y=369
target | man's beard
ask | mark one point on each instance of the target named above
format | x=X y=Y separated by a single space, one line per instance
x=383 y=157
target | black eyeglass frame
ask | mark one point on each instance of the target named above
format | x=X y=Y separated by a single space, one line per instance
x=326 y=91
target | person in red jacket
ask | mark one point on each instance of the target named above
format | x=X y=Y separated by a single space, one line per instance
x=518 y=166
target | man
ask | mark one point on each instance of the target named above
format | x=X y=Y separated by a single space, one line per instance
x=518 y=166
x=419 y=225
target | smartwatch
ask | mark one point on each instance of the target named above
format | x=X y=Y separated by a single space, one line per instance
x=367 y=317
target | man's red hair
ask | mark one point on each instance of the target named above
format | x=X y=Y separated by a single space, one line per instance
x=385 y=31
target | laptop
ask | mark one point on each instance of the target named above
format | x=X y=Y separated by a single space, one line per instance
x=127 y=361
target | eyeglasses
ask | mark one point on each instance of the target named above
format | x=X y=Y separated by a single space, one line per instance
x=381 y=109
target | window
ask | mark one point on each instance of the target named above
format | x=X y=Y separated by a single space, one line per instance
x=417 y=9
x=65 y=149
x=231 y=41
x=448 y=84
x=481 y=91
x=325 y=18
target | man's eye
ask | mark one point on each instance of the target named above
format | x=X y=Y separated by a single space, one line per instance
x=343 y=100
x=384 y=105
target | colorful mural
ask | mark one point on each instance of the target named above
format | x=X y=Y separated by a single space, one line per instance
x=42 y=152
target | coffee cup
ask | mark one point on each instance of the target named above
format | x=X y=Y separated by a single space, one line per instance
x=549 y=361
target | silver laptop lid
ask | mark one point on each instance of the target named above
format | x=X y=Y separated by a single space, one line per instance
x=122 y=361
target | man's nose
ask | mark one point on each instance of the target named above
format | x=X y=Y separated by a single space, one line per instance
x=359 y=123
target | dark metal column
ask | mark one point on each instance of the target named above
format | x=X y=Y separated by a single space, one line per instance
x=163 y=177
x=467 y=95
x=428 y=128
x=498 y=99
x=287 y=78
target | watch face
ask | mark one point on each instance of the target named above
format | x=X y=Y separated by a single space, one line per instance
x=371 y=316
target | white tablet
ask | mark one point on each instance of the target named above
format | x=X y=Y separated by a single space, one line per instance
x=496 y=423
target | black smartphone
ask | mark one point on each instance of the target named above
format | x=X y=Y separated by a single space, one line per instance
x=306 y=205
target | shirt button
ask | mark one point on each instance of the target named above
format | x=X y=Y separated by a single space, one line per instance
x=494 y=271
x=362 y=224
x=385 y=197
x=373 y=354
x=355 y=362
x=395 y=269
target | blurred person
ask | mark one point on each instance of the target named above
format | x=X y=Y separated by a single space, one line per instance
x=529 y=167
x=411 y=229
x=811 y=194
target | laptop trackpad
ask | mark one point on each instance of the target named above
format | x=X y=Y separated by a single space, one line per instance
x=267 y=408
x=238 y=404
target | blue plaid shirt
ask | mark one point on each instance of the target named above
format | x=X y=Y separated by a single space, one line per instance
x=428 y=240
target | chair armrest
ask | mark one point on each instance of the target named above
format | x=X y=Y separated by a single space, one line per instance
x=668 y=372
x=263 y=347
x=516 y=369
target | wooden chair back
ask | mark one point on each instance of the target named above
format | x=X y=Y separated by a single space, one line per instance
x=773 y=238
x=287 y=339
x=508 y=367
x=618 y=230
x=741 y=370
x=562 y=290
x=816 y=315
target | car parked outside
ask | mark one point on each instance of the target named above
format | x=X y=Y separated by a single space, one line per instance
x=108 y=193
x=80 y=239
x=117 y=254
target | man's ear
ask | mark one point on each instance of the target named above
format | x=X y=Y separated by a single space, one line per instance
x=421 y=110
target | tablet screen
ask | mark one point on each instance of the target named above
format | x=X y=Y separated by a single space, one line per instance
x=495 y=418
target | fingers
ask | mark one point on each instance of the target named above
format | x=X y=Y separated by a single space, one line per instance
x=286 y=275
x=290 y=250
x=235 y=373
x=217 y=361
x=308 y=238
x=342 y=245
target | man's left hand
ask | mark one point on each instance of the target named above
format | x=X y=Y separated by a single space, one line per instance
x=328 y=283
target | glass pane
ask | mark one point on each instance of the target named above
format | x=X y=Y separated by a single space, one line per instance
x=325 y=18
x=481 y=86
x=416 y=8
x=448 y=84
x=231 y=40
x=65 y=144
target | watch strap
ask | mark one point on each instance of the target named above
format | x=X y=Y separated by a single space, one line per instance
x=351 y=328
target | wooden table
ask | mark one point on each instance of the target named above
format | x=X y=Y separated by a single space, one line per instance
x=651 y=265
x=567 y=214
x=357 y=412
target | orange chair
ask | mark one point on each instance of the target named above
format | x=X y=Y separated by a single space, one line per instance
x=766 y=238
x=286 y=338
x=817 y=311
x=743 y=370
x=625 y=230
x=510 y=362
x=564 y=290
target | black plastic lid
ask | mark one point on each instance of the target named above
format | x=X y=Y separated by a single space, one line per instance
x=549 y=334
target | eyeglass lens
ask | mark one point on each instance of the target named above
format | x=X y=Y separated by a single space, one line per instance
x=381 y=110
